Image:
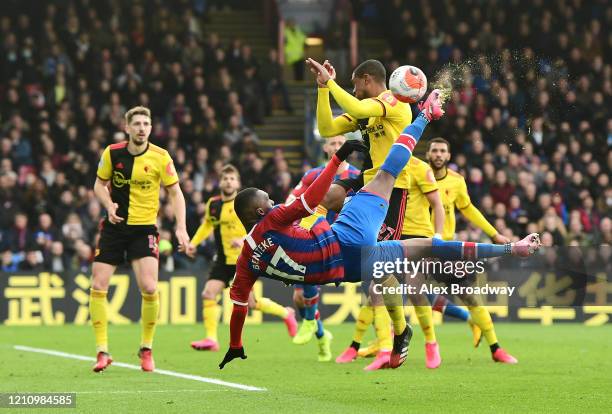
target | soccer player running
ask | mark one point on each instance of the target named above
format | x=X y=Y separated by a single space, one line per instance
x=277 y=247
x=380 y=117
x=306 y=297
x=133 y=170
x=221 y=219
x=455 y=194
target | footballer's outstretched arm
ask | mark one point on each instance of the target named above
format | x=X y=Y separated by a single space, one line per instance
x=205 y=229
x=328 y=125
x=239 y=294
x=355 y=108
x=470 y=212
x=358 y=109
x=475 y=217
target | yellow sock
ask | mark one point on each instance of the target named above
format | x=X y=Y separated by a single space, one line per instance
x=395 y=306
x=425 y=317
x=399 y=319
x=99 y=318
x=481 y=317
x=149 y=311
x=210 y=314
x=382 y=323
x=365 y=318
x=267 y=305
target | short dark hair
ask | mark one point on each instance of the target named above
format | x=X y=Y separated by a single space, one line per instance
x=243 y=204
x=373 y=68
x=438 y=140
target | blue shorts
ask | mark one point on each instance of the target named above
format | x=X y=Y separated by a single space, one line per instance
x=360 y=220
x=357 y=228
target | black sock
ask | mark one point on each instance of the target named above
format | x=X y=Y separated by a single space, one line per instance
x=494 y=347
x=355 y=345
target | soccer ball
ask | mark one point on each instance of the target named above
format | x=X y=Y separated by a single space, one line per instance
x=408 y=83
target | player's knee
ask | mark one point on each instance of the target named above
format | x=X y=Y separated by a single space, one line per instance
x=99 y=283
x=252 y=303
x=209 y=294
x=149 y=287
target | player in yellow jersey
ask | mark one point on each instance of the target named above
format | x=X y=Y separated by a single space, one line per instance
x=421 y=196
x=229 y=232
x=380 y=117
x=134 y=171
x=455 y=195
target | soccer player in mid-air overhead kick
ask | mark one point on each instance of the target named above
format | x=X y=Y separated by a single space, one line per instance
x=221 y=219
x=277 y=247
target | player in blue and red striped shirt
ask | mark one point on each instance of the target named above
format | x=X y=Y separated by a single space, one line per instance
x=306 y=297
x=277 y=247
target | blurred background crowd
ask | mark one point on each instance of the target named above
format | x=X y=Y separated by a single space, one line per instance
x=528 y=119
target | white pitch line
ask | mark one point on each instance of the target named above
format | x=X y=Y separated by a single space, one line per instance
x=136 y=367
x=141 y=391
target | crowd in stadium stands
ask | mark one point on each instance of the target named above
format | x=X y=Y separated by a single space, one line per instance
x=529 y=118
x=531 y=129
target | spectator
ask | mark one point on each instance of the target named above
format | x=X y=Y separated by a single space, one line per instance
x=33 y=261
x=271 y=75
x=337 y=43
x=552 y=224
x=588 y=216
x=520 y=108
x=501 y=190
x=83 y=258
x=55 y=260
x=250 y=95
x=295 y=39
x=46 y=233
x=20 y=237
x=235 y=131
x=9 y=264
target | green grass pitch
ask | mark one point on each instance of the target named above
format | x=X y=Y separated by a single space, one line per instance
x=562 y=368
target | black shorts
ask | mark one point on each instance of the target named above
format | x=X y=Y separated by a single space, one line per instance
x=223 y=272
x=122 y=242
x=394 y=220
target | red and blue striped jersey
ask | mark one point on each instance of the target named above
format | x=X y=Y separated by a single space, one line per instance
x=278 y=248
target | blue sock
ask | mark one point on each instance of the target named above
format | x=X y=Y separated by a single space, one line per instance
x=311 y=294
x=441 y=304
x=320 y=332
x=302 y=312
x=456 y=312
x=401 y=150
x=455 y=250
